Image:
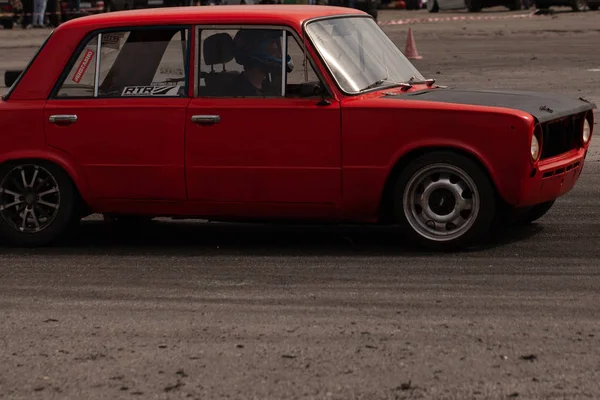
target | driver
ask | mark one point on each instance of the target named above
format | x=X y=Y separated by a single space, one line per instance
x=259 y=52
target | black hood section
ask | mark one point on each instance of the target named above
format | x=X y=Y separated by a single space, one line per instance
x=543 y=106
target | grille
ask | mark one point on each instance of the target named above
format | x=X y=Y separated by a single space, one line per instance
x=561 y=136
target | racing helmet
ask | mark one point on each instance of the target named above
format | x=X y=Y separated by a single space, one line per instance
x=260 y=48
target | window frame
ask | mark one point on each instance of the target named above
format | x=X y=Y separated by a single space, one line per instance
x=287 y=30
x=97 y=33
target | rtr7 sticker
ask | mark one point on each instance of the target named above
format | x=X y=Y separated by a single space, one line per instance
x=164 y=90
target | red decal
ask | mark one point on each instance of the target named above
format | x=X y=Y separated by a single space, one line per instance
x=83 y=66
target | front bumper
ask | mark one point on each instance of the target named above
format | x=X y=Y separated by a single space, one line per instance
x=552 y=178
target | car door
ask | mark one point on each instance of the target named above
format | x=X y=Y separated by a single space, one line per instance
x=122 y=116
x=280 y=149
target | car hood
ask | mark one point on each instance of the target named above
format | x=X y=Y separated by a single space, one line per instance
x=543 y=106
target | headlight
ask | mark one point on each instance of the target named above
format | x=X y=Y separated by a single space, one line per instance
x=535 y=148
x=587 y=131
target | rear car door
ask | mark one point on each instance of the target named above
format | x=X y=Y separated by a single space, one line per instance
x=122 y=116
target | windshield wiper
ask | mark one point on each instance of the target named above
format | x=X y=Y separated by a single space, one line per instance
x=429 y=82
x=381 y=82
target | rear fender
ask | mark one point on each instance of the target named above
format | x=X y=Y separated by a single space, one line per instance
x=59 y=158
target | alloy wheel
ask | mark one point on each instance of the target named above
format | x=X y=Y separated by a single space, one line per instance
x=29 y=198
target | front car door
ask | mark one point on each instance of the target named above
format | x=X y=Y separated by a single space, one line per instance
x=122 y=116
x=278 y=147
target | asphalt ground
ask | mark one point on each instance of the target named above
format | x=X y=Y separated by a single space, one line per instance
x=211 y=311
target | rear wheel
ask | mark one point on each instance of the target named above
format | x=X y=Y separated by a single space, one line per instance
x=37 y=203
x=578 y=5
x=7 y=24
x=593 y=7
x=444 y=201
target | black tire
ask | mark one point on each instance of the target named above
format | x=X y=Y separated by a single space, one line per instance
x=532 y=214
x=433 y=6
x=6 y=24
x=59 y=224
x=593 y=7
x=483 y=202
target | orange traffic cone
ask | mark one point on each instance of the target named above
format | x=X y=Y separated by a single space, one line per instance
x=411 y=48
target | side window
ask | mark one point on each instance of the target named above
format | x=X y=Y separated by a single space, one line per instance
x=79 y=82
x=247 y=63
x=299 y=75
x=137 y=63
x=240 y=63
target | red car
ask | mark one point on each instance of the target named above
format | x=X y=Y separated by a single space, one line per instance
x=192 y=112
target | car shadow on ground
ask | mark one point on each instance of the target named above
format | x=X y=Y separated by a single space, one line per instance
x=200 y=238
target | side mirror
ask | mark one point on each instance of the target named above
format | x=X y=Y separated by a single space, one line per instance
x=310 y=89
x=10 y=77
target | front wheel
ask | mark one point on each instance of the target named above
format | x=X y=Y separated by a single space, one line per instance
x=444 y=201
x=37 y=203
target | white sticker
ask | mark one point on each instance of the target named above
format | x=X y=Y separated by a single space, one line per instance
x=163 y=90
x=171 y=71
x=163 y=84
x=112 y=40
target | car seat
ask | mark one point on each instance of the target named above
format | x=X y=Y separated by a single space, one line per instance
x=218 y=49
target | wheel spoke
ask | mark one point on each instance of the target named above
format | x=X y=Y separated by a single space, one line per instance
x=445 y=176
x=460 y=188
x=35 y=174
x=9 y=205
x=463 y=204
x=440 y=226
x=42 y=183
x=45 y=203
x=24 y=178
x=24 y=219
x=10 y=192
x=458 y=221
x=49 y=191
x=35 y=219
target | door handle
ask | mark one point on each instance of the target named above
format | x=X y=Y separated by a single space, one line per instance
x=63 y=119
x=206 y=119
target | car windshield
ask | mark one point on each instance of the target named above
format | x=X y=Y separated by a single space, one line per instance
x=359 y=54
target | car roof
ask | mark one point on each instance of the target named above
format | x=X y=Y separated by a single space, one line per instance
x=255 y=14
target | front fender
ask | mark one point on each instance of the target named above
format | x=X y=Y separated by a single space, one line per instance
x=378 y=134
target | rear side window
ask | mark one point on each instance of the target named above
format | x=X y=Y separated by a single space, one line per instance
x=132 y=63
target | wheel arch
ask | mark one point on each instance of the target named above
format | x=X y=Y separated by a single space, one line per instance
x=385 y=210
x=67 y=166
